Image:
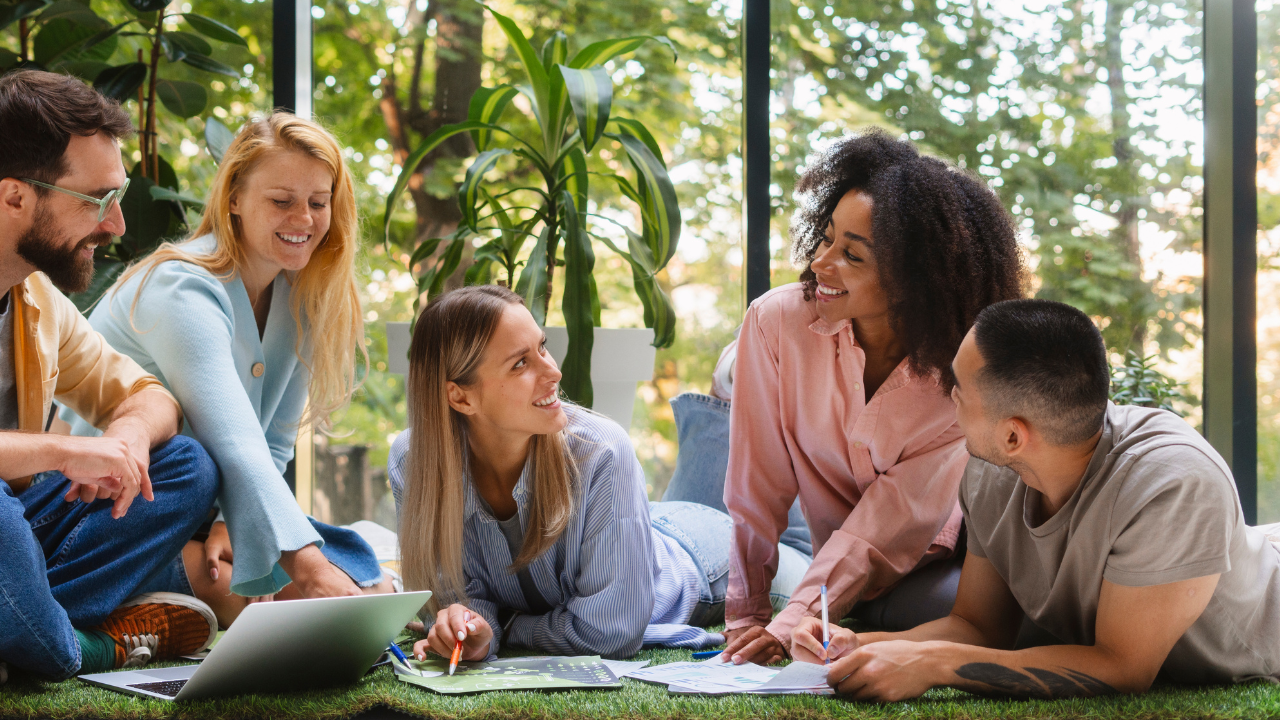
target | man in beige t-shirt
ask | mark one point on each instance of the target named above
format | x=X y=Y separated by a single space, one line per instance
x=1115 y=529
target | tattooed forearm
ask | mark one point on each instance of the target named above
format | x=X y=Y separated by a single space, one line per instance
x=993 y=679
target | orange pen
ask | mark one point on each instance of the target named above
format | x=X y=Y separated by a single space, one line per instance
x=457 y=648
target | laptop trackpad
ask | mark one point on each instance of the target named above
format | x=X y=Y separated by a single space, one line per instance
x=173 y=673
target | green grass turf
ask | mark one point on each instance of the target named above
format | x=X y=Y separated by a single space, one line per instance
x=27 y=697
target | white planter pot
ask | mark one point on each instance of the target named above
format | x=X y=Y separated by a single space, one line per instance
x=398 y=348
x=620 y=358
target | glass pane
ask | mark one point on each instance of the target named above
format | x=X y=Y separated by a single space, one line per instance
x=1085 y=118
x=350 y=51
x=1268 y=261
x=366 y=52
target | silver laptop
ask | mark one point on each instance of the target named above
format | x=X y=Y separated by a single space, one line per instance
x=282 y=645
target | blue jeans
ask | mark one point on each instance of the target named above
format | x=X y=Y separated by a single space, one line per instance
x=707 y=535
x=702 y=433
x=67 y=565
x=349 y=553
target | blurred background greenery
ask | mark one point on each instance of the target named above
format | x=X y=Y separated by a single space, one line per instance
x=1083 y=115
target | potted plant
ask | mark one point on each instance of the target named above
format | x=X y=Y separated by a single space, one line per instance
x=571 y=100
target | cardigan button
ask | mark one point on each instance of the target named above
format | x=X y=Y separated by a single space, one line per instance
x=258 y=369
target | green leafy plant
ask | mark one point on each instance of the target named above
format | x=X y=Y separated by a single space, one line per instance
x=1137 y=382
x=68 y=36
x=571 y=99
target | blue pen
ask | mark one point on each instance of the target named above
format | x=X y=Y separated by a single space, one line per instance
x=706 y=654
x=826 y=632
x=395 y=650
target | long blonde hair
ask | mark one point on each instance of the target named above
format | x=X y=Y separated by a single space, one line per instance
x=323 y=293
x=448 y=345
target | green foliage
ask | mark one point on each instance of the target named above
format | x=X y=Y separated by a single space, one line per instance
x=556 y=210
x=71 y=36
x=590 y=94
x=214 y=30
x=1072 y=112
x=182 y=98
x=974 y=83
x=487 y=106
x=365 y=56
x=122 y=81
x=1138 y=382
x=217 y=138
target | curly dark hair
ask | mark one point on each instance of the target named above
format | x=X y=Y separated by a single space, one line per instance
x=944 y=245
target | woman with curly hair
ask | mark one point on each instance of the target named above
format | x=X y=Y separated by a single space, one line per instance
x=841 y=392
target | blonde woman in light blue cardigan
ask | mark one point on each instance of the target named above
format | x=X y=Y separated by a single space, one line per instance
x=244 y=324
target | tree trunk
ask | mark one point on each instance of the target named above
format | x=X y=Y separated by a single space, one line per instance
x=457 y=76
x=458 y=57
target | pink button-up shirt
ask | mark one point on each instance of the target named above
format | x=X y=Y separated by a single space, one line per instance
x=878 y=482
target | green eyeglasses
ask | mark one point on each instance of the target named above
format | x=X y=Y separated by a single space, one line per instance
x=104 y=203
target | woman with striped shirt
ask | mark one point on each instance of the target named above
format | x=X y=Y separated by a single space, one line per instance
x=528 y=517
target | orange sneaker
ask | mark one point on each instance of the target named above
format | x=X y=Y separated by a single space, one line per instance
x=159 y=626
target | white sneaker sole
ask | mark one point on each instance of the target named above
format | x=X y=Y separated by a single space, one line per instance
x=186 y=601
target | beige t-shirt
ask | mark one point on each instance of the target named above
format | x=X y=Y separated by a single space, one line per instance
x=1157 y=505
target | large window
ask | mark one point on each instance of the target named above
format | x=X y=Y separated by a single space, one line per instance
x=1084 y=117
x=383 y=97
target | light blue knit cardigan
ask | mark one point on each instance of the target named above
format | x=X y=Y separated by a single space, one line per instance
x=198 y=335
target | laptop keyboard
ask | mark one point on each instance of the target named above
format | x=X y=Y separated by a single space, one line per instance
x=168 y=688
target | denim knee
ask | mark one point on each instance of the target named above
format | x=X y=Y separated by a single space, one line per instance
x=185 y=459
x=35 y=633
x=705 y=534
x=702 y=430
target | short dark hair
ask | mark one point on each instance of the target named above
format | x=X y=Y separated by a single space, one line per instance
x=1045 y=362
x=40 y=111
x=944 y=245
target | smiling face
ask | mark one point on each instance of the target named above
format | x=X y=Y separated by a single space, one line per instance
x=64 y=230
x=517 y=385
x=284 y=208
x=848 y=281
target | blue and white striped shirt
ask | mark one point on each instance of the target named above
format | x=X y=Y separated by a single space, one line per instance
x=613 y=581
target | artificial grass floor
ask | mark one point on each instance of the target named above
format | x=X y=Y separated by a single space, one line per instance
x=28 y=697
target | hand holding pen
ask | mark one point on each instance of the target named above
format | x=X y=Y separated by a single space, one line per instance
x=457 y=648
x=807 y=641
x=457 y=628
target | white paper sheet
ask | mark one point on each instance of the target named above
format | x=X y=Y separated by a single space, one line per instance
x=798 y=677
x=702 y=678
x=624 y=668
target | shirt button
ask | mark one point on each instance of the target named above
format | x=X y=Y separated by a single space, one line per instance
x=257 y=369
x=858 y=444
x=857 y=386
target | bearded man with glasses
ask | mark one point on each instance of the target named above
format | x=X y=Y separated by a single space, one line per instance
x=89 y=579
